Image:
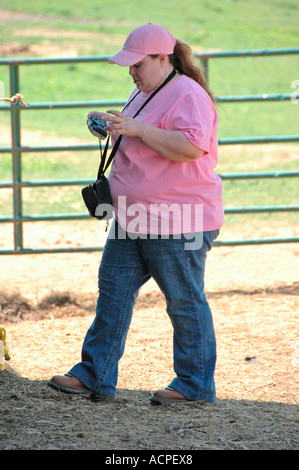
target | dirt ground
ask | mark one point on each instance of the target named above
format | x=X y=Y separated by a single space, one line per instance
x=47 y=303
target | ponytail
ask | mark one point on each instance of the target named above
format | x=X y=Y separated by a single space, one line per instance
x=182 y=60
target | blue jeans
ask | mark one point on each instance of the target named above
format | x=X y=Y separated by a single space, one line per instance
x=126 y=265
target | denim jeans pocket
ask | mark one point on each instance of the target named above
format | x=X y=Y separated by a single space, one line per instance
x=213 y=234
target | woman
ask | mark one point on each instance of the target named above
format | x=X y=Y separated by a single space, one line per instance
x=163 y=172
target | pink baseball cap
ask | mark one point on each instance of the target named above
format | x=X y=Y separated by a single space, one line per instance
x=148 y=39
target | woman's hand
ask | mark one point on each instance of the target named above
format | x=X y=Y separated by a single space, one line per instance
x=118 y=123
x=170 y=144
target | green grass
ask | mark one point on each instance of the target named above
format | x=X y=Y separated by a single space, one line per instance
x=205 y=25
x=210 y=24
x=93 y=28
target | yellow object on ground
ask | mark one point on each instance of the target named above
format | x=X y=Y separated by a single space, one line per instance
x=4 y=354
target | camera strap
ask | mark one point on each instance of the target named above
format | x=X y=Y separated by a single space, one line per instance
x=102 y=167
x=114 y=150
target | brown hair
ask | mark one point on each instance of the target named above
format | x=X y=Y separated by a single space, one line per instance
x=182 y=60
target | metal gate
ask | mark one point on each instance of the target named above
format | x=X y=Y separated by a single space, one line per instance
x=16 y=150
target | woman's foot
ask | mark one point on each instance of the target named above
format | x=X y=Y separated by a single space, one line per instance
x=168 y=395
x=68 y=384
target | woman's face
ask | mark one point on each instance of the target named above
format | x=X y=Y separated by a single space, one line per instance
x=147 y=73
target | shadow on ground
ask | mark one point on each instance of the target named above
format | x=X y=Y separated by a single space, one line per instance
x=33 y=416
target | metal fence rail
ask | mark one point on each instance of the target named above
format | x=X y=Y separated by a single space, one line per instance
x=16 y=149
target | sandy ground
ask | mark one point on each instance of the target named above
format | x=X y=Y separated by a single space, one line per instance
x=47 y=304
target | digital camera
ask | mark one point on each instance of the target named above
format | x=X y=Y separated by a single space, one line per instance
x=96 y=125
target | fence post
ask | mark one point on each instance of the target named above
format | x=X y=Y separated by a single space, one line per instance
x=205 y=68
x=16 y=159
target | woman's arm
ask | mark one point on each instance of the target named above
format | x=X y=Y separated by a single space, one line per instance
x=173 y=145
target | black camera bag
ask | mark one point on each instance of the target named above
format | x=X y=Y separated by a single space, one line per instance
x=97 y=194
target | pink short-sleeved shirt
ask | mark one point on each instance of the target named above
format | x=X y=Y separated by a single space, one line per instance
x=154 y=195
